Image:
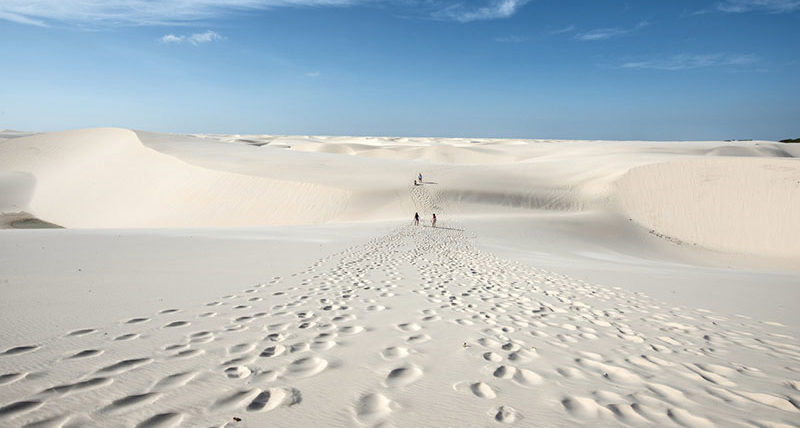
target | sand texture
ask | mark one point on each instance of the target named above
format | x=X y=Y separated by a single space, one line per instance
x=580 y=283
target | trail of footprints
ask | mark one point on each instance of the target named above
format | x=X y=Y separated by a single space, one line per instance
x=528 y=347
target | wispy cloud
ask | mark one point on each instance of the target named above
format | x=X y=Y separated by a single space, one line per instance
x=140 y=12
x=195 y=39
x=20 y=19
x=609 y=33
x=567 y=29
x=493 y=9
x=313 y=74
x=693 y=61
x=510 y=39
x=172 y=12
x=769 y=6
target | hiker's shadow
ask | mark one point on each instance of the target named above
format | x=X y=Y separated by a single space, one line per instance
x=428 y=182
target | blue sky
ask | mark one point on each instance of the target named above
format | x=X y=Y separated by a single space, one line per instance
x=636 y=69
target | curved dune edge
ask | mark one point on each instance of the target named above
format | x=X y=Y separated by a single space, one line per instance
x=106 y=178
x=740 y=205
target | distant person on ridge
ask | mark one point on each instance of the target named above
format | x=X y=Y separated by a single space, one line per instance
x=433 y=222
x=420 y=178
x=416 y=219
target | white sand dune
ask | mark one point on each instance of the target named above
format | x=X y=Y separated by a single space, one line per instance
x=106 y=178
x=580 y=283
x=739 y=205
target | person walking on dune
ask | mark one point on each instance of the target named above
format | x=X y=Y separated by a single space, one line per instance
x=420 y=178
x=433 y=222
x=416 y=219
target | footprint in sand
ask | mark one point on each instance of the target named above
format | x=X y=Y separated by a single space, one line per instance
x=482 y=390
x=131 y=402
x=418 y=338
x=162 y=420
x=82 y=332
x=20 y=350
x=174 y=381
x=128 y=336
x=201 y=337
x=506 y=414
x=504 y=372
x=273 y=351
x=245 y=359
x=273 y=398
x=237 y=372
x=372 y=407
x=236 y=399
x=492 y=357
x=527 y=378
x=403 y=376
x=409 y=327
x=176 y=346
x=10 y=378
x=583 y=408
x=306 y=367
x=394 y=353
x=15 y=409
x=87 y=353
x=187 y=353
x=177 y=324
x=125 y=365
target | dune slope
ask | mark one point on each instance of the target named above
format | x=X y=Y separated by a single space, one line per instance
x=103 y=178
x=747 y=206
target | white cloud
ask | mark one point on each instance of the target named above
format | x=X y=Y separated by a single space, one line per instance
x=769 y=6
x=313 y=74
x=171 y=38
x=140 y=12
x=608 y=33
x=495 y=9
x=693 y=61
x=171 y=12
x=195 y=39
x=205 y=37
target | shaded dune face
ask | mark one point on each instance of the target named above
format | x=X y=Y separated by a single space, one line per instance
x=742 y=205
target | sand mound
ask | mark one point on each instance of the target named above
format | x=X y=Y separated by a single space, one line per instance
x=731 y=204
x=107 y=178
